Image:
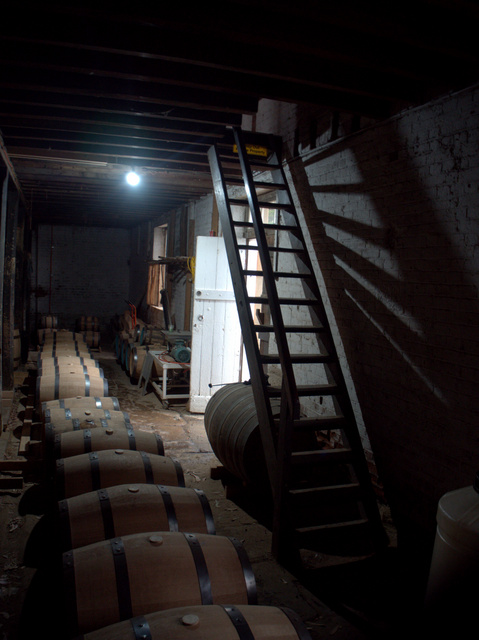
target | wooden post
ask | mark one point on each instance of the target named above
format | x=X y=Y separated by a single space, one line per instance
x=9 y=290
x=3 y=222
x=189 y=276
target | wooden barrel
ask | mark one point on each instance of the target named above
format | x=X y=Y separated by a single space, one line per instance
x=137 y=357
x=79 y=422
x=49 y=368
x=61 y=336
x=104 y=402
x=74 y=349
x=232 y=427
x=67 y=357
x=81 y=412
x=117 y=511
x=41 y=333
x=210 y=622
x=136 y=360
x=126 y=347
x=88 y=323
x=119 y=338
x=53 y=387
x=93 y=339
x=49 y=321
x=72 y=443
x=136 y=333
x=123 y=577
x=17 y=348
x=100 y=469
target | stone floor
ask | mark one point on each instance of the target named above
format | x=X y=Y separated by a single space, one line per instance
x=345 y=598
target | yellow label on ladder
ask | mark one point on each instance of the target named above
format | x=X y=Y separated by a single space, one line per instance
x=253 y=150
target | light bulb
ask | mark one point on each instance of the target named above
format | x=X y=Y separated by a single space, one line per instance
x=133 y=178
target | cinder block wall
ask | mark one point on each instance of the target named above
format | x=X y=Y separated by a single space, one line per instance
x=89 y=268
x=393 y=216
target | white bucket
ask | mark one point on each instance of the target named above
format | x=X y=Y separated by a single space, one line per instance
x=452 y=583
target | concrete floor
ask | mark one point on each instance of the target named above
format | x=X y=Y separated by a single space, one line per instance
x=345 y=598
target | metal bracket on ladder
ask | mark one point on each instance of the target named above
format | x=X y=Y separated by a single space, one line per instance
x=322 y=492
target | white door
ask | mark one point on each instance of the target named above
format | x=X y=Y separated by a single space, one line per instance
x=216 y=344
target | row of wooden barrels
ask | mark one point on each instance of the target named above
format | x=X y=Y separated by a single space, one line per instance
x=131 y=347
x=83 y=323
x=122 y=548
x=88 y=327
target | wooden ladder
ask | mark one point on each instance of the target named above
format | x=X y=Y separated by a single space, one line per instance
x=322 y=493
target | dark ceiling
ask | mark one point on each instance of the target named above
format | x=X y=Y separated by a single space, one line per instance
x=91 y=89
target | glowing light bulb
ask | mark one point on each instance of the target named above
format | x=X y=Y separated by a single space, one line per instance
x=133 y=178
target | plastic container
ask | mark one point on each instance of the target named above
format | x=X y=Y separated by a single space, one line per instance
x=453 y=577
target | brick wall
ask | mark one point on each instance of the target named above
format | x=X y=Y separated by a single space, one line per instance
x=393 y=217
x=89 y=272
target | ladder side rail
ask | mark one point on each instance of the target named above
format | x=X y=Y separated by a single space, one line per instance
x=283 y=547
x=318 y=308
x=258 y=379
x=335 y=373
x=275 y=309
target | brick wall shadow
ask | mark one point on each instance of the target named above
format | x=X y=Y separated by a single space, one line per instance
x=407 y=311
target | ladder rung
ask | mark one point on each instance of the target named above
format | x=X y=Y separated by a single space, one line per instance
x=322 y=456
x=292 y=301
x=267 y=225
x=247 y=247
x=334 y=526
x=260 y=184
x=296 y=358
x=320 y=423
x=307 y=390
x=338 y=492
x=280 y=274
x=296 y=328
x=243 y=202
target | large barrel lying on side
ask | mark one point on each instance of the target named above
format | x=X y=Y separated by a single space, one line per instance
x=100 y=469
x=232 y=427
x=117 y=511
x=209 y=622
x=120 y=578
x=72 y=443
x=64 y=385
